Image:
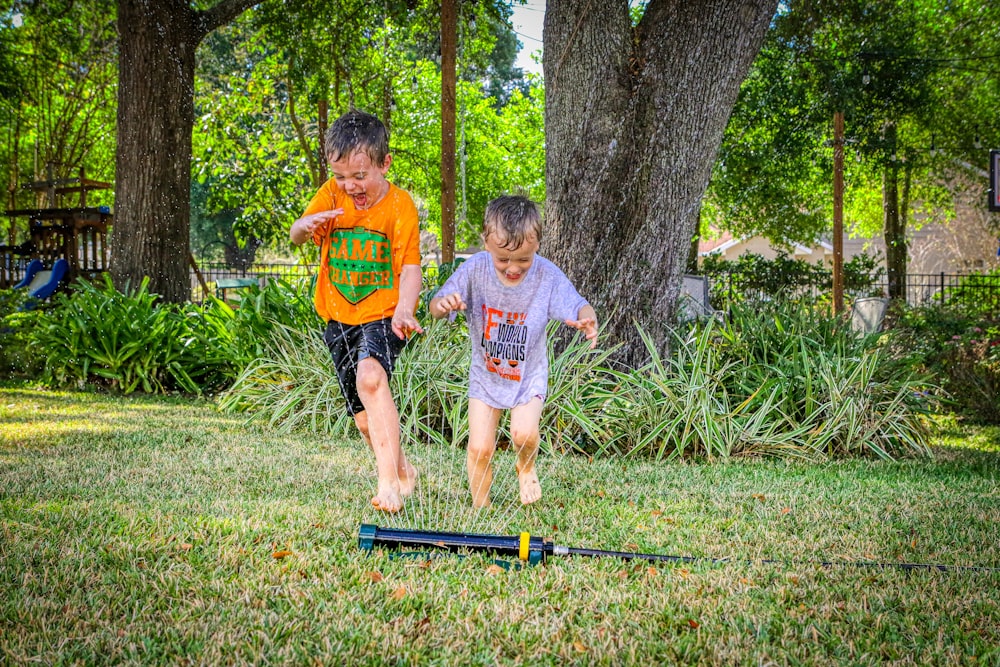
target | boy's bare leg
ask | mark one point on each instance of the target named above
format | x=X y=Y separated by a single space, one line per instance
x=406 y=473
x=483 y=421
x=524 y=421
x=396 y=477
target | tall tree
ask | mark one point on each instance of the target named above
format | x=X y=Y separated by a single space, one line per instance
x=913 y=80
x=58 y=71
x=268 y=81
x=634 y=115
x=157 y=43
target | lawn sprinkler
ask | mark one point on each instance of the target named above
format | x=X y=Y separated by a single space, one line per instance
x=524 y=547
x=532 y=550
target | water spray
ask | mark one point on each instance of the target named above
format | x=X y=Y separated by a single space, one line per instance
x=531 y=550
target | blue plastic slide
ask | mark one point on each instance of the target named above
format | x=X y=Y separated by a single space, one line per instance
x=42 y=283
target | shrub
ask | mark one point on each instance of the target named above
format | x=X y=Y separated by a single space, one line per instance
x=97 y=334
x=751 y=277
x=958 y=347
x=18 y=354
x=977 y=294
x=130 y=342
x=799 y=398
x=244 y=332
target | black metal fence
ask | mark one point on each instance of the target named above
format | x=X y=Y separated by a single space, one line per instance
x=208 y=275
x=979 y=290
x=982 y=291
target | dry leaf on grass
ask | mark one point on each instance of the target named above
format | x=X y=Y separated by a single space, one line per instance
x=495 y=569
x=374 y=577
x=278 y=555
x=399 y=593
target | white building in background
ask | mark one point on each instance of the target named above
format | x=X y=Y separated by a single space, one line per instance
x=731 y=248
x=967 y=244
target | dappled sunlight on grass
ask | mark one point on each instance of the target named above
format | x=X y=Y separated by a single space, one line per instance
x=950 y=433
x=43 y=419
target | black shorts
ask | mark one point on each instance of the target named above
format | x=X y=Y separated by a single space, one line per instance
x=350 y=343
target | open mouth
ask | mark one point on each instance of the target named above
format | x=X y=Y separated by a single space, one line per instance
x=360 y=200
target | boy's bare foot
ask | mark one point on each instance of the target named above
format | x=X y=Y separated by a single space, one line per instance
x=408 y=482
x=531 y=488
x=387 y=499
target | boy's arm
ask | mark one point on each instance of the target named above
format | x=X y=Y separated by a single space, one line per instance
x=303 y=229
x=404 y=322
x=586 y=321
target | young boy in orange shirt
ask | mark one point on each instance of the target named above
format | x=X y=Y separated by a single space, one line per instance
x=368 y=286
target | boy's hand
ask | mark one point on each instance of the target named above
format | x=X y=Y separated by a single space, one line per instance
x=404 y=324
x=303 y=229
x=446 y=304
x=588 y=326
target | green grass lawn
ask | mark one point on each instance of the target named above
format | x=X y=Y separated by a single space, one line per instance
x=159 y=531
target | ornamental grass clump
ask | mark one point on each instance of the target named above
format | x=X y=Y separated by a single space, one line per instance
x=839 y=387
x=772 y=381
x=766 y=384
x=292 y=385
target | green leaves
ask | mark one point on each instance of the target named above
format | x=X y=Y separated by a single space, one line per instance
x=131 y=342
x=917 y=65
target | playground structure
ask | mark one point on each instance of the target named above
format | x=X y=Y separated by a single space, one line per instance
x=76 y=235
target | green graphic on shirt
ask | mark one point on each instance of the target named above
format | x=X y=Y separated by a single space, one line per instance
x=360 y=262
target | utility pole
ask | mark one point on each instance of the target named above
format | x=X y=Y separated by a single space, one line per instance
x=449 y=32
x=838 y=212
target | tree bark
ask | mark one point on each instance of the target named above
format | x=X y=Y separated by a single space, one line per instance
x=633 y=119
x=893 y=228
x=157 y=43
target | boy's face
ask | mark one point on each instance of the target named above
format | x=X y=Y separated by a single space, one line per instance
x=511 y=264
x=361 y=180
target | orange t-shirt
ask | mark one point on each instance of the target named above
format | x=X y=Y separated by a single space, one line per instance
x=362 y=254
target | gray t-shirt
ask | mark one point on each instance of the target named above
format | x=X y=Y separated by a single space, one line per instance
x=510 y=365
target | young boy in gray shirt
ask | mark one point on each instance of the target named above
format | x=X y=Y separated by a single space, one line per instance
x=509 y=294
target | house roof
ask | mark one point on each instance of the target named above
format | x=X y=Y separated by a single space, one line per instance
x=725 y=241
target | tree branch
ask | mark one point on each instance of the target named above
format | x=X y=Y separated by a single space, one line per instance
x=300 y=133
x=208 y=20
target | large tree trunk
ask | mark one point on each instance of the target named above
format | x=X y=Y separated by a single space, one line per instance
x=633 y=121
x=157 y=43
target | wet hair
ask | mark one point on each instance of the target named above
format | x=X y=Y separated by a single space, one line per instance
x=512 y=219
x=357 y=131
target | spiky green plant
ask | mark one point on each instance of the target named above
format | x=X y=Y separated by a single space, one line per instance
x=125 y=340
x=292 y=385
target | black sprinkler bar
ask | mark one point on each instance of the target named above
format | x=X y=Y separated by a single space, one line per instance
x=532 y=550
